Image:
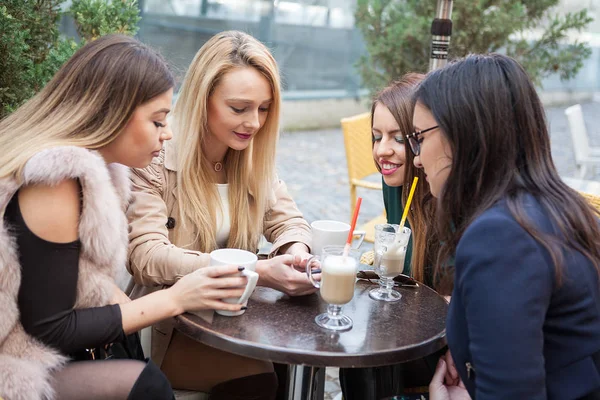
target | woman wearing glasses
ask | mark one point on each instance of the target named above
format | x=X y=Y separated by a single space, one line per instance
x=391 y=120
x=524 y=321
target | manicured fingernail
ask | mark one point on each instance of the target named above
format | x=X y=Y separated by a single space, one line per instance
x=240 y=268
x=244 y=308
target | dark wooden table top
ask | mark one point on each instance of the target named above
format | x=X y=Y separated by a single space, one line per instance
x=280 y=328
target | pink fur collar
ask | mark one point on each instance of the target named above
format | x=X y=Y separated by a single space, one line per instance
x=25 y=363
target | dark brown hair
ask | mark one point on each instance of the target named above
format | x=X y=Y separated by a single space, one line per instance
x=397 y=97
x=490 y=114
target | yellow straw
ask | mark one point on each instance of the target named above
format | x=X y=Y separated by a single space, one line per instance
x=407 y=206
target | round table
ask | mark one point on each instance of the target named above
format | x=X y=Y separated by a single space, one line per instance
x=281 y=329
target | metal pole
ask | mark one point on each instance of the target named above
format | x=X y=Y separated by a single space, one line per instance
x=305 y=383
x=441 y=30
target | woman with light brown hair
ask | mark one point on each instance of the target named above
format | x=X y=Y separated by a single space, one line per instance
x=391 y=120
x=391 y=117
x=215 y=187
x=64 y=187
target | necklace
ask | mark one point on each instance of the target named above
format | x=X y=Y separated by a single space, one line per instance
x=218 y=166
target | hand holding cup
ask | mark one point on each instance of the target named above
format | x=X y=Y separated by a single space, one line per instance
x=205 y=288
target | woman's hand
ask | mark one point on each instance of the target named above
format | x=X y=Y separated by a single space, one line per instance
x=279 y=273
x=300 y=252
x=451 y=377
x=438 y=390
x=205 y=288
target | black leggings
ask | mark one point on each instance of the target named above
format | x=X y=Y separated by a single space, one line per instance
x=111 y=379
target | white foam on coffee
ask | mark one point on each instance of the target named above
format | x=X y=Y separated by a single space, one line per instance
x=395 y=251
x=340 y=265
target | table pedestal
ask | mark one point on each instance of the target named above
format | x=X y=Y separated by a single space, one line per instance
x=305 y=383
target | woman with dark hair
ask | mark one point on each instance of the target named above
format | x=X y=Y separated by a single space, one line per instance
x=391 y=121
x=524 y=321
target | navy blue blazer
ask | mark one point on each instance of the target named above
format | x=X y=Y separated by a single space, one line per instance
x=513 y=331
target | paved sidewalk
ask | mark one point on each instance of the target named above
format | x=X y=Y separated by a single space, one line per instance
x=313 y=164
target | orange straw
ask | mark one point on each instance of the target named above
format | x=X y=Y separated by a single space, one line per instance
x=352 y=226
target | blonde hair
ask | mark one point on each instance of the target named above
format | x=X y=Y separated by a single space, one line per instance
x=250 y=172
x=87 y=103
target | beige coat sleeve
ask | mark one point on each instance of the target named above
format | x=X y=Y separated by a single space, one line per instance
x=153 y=259
x=284 y=223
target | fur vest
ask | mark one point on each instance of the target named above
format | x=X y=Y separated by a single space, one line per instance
x=25 y=363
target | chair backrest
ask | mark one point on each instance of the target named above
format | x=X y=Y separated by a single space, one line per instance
x=578 y=132
x=592 y=200
x=358 y=144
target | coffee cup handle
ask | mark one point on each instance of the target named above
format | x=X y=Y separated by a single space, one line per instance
x=362 y=235
x=252 y=280
x=309 y=272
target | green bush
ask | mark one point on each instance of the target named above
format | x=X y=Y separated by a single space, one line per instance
x=397 y=36
x=32 y=49
x=95 y=18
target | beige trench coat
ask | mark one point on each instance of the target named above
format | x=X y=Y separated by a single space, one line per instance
x=160 y=255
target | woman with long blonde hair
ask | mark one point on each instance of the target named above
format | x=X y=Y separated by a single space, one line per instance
x=216 y=186
x=64 y=187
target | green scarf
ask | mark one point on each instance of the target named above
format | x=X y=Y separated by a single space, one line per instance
x=392 y=200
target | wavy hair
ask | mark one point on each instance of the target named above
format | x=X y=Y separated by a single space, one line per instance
x=250 y=172
x=87 y=103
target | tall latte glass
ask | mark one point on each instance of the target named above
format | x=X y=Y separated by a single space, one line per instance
x=338 y=278
x=391 y=243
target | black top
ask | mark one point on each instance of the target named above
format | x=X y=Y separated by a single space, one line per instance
x=48 y=291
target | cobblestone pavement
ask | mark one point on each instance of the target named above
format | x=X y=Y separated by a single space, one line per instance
x=313 y=164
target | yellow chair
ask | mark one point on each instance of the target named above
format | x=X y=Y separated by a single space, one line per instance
x=359 y=156
x=593 y=201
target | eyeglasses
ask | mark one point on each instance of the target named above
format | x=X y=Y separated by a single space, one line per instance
x=415 y=142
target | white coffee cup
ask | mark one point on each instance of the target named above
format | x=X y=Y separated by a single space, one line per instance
x=331 y=233
x=244 y=259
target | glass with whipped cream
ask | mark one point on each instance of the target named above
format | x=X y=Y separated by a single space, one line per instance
x=391 y=243
x=336 y=284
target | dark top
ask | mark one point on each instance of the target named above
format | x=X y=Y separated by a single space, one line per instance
x=519 y=333
x=48 y=291
x=392 y=201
